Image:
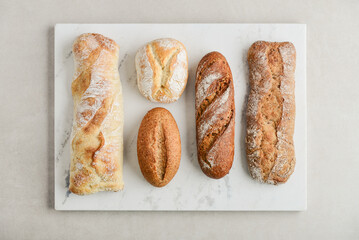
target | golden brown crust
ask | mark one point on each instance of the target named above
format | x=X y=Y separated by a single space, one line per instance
x=96 y=138
x=215 y=115
x=162 y=70
x=271 y=111
x=159 y=147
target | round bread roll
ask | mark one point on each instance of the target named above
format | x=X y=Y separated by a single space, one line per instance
x=162 y=70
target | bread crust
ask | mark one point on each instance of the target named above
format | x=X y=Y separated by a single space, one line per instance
x=162 y=70
x=215 y=115
x=159 y=147
x=271 y=111
x=96 y=137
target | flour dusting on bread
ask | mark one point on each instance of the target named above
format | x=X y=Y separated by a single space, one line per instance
x=96 y=138
x=204 y=85
x=162 y=70
x=215 y=115
x=271 y=112
x=216 y=108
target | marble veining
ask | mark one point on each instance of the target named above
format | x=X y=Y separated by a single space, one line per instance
x=63 y=144
x=67 y=184
x=122 y=61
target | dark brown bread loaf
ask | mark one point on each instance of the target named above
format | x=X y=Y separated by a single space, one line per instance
x=159 y=147
x=215 y=115
x=271 y=111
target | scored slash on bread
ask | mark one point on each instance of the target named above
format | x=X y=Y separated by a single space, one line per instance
x=215 y=115
x=271 y=111
x=159 y=147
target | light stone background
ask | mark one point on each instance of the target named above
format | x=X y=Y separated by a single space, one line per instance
x=26 y=122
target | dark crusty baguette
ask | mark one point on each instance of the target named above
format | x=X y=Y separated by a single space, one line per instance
x=159 y=147
x=215 y=115
x=271 y=111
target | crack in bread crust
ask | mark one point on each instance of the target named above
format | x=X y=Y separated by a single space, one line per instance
x=161 y=147
x=271 y=112
x=164 y=70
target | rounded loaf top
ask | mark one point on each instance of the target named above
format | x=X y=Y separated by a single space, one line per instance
x=162 y=70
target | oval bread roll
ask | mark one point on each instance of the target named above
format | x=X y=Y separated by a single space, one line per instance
x=159 y=147
x=162 y=70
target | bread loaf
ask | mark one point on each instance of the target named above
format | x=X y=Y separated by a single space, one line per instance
x=159 y=147
x=271 y=111
x=215 y=115
x=162 y=70
x=96 y=138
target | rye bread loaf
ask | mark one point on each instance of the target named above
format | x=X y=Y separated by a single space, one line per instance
x=271 y=111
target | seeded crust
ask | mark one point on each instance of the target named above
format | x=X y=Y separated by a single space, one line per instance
x=159 y=147
x=215 y=115
x=271 y=111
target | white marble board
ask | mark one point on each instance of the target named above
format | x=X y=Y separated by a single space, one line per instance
x=190 y=190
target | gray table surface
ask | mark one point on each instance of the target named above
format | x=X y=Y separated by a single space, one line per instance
x=26 y=122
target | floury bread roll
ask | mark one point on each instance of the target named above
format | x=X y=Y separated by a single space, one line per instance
x=215 y=115
x=162 y=70
x=271 y=111
x=96 y=138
